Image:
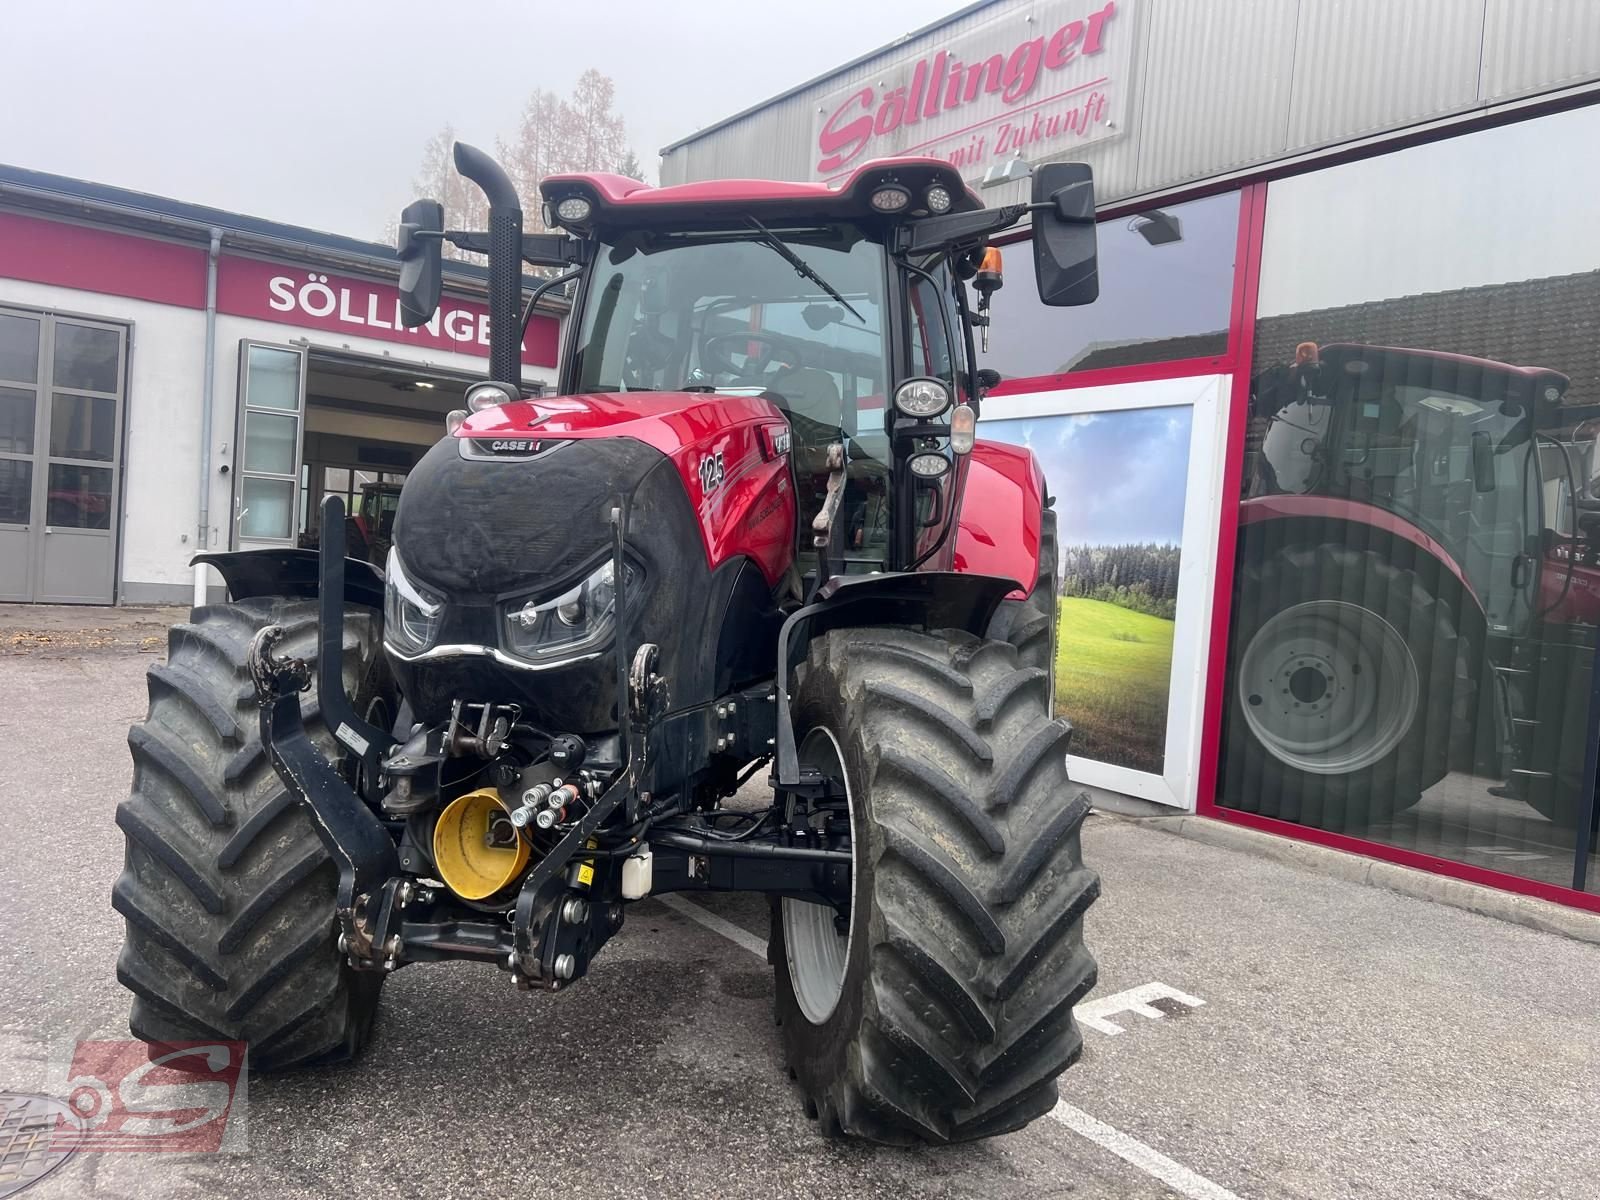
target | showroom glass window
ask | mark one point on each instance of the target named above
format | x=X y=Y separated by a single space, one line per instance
x=1418 y=559
x=1166 y=293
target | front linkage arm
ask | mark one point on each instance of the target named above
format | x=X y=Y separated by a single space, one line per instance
x=371 y=893
x=355 y=839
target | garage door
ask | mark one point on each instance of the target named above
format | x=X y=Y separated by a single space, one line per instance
x=61 y=411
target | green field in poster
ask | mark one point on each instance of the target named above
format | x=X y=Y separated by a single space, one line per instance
x=1113 y=667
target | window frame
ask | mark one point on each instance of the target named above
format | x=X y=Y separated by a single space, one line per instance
x=243 y=475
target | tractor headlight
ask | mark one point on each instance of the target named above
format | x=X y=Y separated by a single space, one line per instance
x=410 y=611
x=487 y=393
x=922 y=397
x=576 y=620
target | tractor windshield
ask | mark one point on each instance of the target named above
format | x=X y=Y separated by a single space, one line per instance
x=727 y=311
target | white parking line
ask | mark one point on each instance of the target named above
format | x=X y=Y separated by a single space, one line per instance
x=1148 y=1159
x=1129 y=1149
x=741 y=937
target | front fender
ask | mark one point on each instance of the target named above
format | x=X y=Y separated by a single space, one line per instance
x=1000 y=521
x=290 y=572
x=928 y=600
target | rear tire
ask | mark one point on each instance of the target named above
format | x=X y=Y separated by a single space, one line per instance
x=227 y=892
x=964 y=954
x=1341 y=700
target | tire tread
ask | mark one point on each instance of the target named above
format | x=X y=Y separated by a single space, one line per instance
x=978 y=891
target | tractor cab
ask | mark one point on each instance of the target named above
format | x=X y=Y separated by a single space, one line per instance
x=845 y=308
x=724 y=312
x=1457 y=447
x=369 y=529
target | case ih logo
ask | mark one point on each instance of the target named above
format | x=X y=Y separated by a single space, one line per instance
x=189 y=1099
x=1031 y=84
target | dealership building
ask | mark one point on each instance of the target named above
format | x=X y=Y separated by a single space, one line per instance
x=1345 y=349
x=176 y=378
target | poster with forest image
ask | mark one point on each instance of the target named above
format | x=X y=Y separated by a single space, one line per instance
x=1119 y=479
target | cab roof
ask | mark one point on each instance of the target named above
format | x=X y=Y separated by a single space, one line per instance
x=620 y=200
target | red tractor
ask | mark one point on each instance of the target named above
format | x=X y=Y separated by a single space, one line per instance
x=754 y=529
x=1415 y=590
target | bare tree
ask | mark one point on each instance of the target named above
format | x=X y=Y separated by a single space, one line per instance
x=598 y=135
x=542 y=147
x=553 y=136
x=437 y=179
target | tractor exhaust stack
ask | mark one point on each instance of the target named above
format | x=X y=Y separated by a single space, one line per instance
x=505 y=261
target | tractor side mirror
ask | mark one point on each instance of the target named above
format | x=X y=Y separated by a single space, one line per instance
x=1063 y=234
x=420 y=245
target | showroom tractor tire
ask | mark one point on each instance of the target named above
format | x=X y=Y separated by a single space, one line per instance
x=948 y=1012
x=227 y=892
x=1343 y=696
x=1030 y=624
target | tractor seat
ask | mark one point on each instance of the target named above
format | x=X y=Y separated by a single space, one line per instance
x=809 y=398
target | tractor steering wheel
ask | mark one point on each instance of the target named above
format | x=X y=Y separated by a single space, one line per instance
x=776 y=355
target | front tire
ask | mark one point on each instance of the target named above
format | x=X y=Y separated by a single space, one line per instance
x=227 y=892
x=1030 y=624
x=956 y=978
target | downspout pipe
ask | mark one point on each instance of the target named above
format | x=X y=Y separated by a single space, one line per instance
x=208 y=393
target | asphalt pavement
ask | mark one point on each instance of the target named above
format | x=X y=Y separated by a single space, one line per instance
x=1258 y=1031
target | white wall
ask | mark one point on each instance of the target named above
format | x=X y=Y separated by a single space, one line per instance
x=161 y=457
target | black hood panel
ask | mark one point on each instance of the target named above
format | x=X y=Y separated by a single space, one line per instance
x=484 y=526
x=482 y=529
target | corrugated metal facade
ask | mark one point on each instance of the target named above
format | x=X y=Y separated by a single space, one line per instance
x=1213 y=86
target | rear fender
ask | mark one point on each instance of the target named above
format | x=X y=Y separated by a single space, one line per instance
x=291 y=572
x=1312 y=520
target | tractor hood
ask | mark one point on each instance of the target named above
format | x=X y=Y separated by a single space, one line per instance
x=668 y=421
x=729 y=455
x=513 y=513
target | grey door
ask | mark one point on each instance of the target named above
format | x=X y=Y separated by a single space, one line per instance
x=61 y=412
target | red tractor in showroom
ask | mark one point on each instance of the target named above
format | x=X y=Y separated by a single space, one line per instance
x=754 y=532
x=1417 y=588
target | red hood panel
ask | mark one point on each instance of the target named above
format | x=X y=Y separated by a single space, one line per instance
x=669 y=421
x=742 y=497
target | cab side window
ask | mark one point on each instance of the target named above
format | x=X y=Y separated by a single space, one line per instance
x=931 y=352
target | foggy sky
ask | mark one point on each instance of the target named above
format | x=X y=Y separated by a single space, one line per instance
x=315 y=111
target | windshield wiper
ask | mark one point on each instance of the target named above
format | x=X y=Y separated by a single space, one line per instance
x=802 y=268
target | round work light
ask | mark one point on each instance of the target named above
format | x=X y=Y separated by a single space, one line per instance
x=488 y=393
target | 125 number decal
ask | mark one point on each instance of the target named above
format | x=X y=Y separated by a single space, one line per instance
x=710 y=473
